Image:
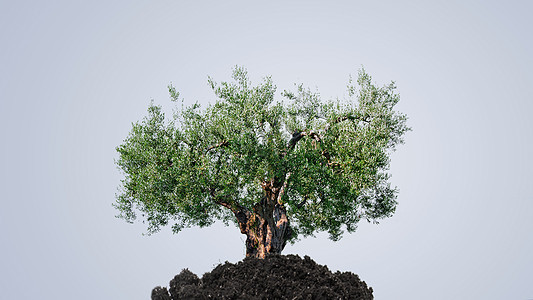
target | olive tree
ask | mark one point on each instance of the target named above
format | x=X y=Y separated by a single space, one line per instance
x=276 y=168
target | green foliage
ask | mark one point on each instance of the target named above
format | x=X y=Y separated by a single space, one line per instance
x=333 y=156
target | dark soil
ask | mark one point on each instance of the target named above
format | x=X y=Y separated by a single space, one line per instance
x=275 y=277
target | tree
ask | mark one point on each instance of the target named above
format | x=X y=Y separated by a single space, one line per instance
x=278 y=169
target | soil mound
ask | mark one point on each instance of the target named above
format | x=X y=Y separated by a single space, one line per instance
x=275 y=277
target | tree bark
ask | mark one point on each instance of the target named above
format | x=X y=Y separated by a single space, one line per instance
x=267 y=227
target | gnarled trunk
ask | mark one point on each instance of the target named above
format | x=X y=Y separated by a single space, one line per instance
x=266 y=232
x=267 y=228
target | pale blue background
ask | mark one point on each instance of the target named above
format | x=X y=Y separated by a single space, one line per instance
x=75 y=74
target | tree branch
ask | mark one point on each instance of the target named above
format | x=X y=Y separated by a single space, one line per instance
x=218 y=200
x=240 y=212
x=283 y=188
x=296 y=136
x=303 y=202
x=348 y=117
x=221 y=144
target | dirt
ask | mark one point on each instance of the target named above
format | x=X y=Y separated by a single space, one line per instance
x=275 y=277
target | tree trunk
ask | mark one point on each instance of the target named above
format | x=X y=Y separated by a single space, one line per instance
x=267 y=228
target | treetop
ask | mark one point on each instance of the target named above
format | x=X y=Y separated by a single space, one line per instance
x=328 y=160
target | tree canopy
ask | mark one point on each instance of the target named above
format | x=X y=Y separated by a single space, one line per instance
x=328 y=159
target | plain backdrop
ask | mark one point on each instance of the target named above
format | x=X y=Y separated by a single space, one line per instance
x=75 y=74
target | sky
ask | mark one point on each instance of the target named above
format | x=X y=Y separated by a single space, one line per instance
x=74 y=75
